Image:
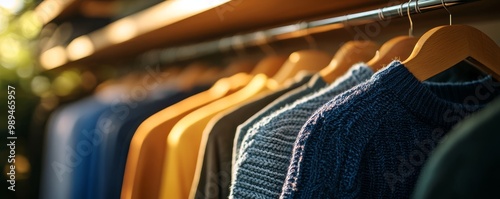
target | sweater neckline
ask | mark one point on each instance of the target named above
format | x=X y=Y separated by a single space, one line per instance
x=440 y=103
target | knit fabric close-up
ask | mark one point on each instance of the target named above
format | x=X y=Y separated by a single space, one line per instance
x=314 y=84
x=267 y=147
x=373 y=140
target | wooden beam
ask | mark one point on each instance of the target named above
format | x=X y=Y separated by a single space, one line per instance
x=163 y=25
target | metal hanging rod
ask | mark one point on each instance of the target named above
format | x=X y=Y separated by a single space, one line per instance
x=300 y=29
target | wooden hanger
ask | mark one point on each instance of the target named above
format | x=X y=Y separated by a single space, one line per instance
x=210 y=75
x=396 y=48
x=349 y=54
x=190 y=75
x=238 y=66
x=304 y=60
x=269 y=65
x=442 y=47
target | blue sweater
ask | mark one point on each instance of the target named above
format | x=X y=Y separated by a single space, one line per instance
x=67 y=154
x=267 y=148
x=371 y=141
x=110 y=157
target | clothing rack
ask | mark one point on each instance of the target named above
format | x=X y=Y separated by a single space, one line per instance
x=300 y=29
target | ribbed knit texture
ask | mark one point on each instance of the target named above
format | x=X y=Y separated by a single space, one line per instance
x=371 y=141
x=315 y=83
x=267 y=147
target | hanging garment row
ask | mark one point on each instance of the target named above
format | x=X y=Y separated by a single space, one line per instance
x=356 y=125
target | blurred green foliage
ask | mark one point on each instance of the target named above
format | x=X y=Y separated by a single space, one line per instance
x=19 y=28
x=37 y=93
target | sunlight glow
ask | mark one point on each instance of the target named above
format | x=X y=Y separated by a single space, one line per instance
x=80 y=47
x=53 y=57
x=13 y=6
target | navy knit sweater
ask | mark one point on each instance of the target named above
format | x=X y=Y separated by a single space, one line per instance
x=371 y=141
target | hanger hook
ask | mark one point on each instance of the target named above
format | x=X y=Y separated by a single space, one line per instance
x=381 y=14
x=446 y=8
x=263 y=43
x=346 y=20
x=238 y=45
x=410 y=31
x=225 y=44
x=304 y=26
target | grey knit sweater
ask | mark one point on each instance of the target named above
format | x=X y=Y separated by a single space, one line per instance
x=315 y=83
